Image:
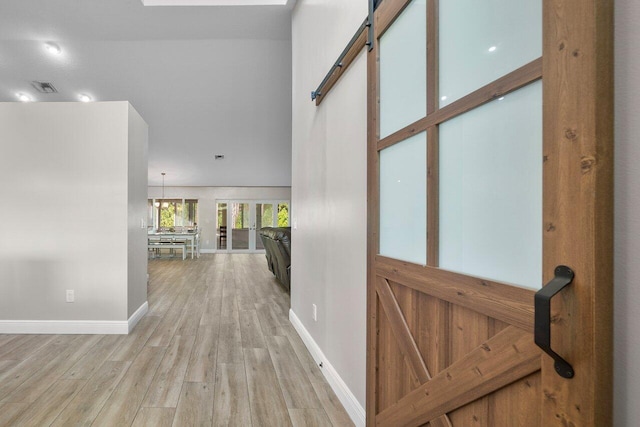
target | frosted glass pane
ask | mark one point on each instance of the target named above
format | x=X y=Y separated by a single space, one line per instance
x=491 y=190
x=403 y=69
x=481 y=41
x=403 y=205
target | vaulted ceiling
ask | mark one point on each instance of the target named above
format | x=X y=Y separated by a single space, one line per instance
x=207 y=79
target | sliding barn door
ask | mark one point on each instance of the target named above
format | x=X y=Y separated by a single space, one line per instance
x=490 y=175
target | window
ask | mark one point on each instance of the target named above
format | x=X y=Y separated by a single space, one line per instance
x=168 y=214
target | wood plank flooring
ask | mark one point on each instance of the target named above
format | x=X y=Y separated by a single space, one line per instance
x=215 y=349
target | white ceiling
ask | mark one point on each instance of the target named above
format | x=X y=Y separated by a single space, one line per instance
x=207 y=80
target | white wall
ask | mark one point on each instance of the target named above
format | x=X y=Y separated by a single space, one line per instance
x=64 y=222
x=207 y=197
x=627 y=214
x=137 y=211
x=329 y=189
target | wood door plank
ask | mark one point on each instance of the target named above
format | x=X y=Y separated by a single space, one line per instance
x=268 y=406
x=86 y=405
x=510 y=304
x=195 y=407
x=231 y=405
x=398 y=324
x=578 y=217
x=503 y=359
x=121 y=407
x=386 y=13
x=164 y=391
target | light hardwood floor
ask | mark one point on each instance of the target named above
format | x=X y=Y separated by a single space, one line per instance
x=215 y=349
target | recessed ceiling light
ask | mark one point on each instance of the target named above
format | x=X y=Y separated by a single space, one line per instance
x=501 y=98
x=492 y=49
x=53 y=48
x=23 y=97
x=84 y=97
x=443 y=98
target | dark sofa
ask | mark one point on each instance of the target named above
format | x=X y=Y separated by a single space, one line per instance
x=277 y=245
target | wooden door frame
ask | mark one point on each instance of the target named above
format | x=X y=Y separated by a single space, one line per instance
x=577 y=68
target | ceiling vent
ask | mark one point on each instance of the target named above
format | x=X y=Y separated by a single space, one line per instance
x=44 y=87
x=219 y=157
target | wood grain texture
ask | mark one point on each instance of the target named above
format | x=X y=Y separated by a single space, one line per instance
x=250 y=329
x=265 y=395
x=23 y=346
x=202 y=364
x=86 y=405
x=14 y=377
x=433 y=196
x=87 y=365
x=386 y=14
x=231 y=403
x=103 y=380
x=164 y=391
x=578 y=206
x=373 y=105
x=123 y=404
x=510 y=304
x=401 y=332
x=37 y=384
x=131 y=345
x=9 y=412
x=154 y=417
x=309 y=418
x=196 y=405
x=296 y=387
x=505 y=358
x=45 y=410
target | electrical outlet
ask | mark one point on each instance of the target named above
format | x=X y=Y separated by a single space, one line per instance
x=142 y=224
x=314 y=312
x=70 y=295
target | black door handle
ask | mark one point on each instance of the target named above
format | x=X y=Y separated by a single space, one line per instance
x=542 y=306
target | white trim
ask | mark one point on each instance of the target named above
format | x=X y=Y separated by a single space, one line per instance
x=208 y=251
x=340 y=388
x=136 y=316
x=98 y=327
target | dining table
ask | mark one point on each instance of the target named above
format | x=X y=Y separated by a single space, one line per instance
x=192 y=237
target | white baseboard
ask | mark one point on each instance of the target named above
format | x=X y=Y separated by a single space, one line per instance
x=208 y=251
x=346 y=397
x=136 y=316
x=97 y=327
